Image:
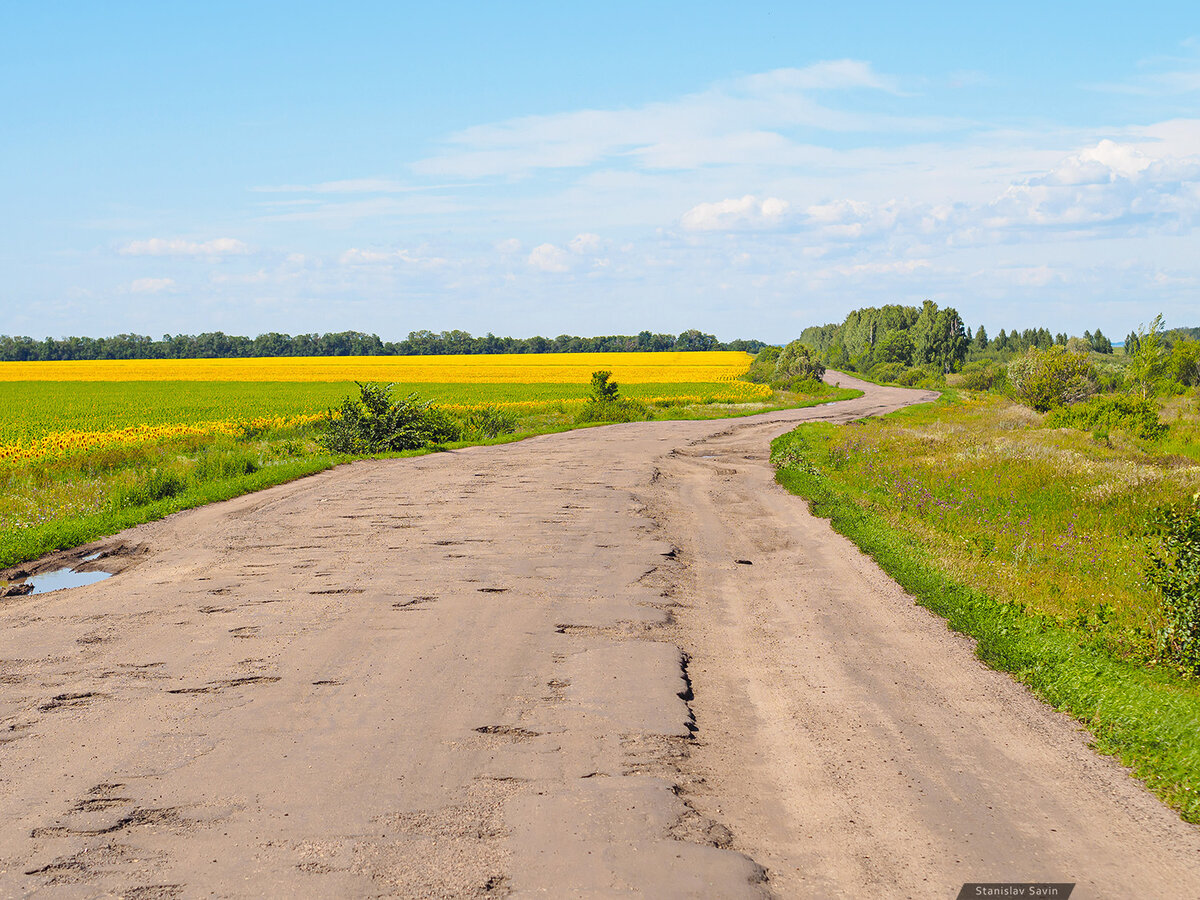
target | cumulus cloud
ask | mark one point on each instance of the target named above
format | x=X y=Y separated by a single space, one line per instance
x=549 y=258
x=151 y=285
x=180 y=247
x=510 y=245
x=1110 y=183
x=584 y=243
x=735 y=214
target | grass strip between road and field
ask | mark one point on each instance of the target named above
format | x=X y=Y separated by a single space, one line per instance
x=1146 y=718
x=21 y=545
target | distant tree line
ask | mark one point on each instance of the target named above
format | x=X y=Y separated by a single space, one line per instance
x=346 y=343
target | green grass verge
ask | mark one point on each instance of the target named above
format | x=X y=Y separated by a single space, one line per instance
x=1148 y=719
x=21 y=545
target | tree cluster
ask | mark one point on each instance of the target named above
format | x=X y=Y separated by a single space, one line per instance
x=893 y=336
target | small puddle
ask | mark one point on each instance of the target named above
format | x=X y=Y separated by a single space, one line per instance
x=61 y=579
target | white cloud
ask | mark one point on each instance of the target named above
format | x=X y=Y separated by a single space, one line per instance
x=549 y=258
x=180 y=247
x=151 y=285
x=510 y=245
x=827 y=75
x=584 y=243
x=356 y=257
x=1134 y=184
x=754 y=113
x=735 y=214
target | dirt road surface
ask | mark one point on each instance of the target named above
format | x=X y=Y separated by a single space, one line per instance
x=611 y=662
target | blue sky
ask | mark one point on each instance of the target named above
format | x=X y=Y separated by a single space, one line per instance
x=746 y=169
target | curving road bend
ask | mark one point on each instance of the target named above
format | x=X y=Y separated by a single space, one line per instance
x=611 y=662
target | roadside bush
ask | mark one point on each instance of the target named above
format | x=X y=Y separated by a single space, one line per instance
x=1129 y=414
x=922 y=377
x=1110 y=377
x=802 y=385
x=1044 y=379
x=762 y=369
x=1175 y=571
x=606 y=405
x=797 y=361
x=604 y=389
x=886 y=372
x=374 y=423
x=488 y=422
x=623 y=409
x=979 y=376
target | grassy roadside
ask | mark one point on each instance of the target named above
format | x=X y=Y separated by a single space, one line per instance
x=64 y=503
x=23 y=544
x=873 y=484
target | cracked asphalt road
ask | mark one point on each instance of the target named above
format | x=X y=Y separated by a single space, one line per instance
x=615 y=661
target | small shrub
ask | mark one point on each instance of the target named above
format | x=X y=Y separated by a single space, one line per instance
x=488 y=422
x=1044 y=379
x=604 y=390
x=606 y=406
x=623 y=409
x=803 y=385
x=1102 y=414
x=1175 y=571
x=374 y=423
x=157 y=484
x=979 y=376
x=929 y=377
x=762 y=370
x=909 y=377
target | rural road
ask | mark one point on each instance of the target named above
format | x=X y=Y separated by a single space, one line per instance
x=611 y=662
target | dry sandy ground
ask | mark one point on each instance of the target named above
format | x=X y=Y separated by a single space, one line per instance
x=610 y=662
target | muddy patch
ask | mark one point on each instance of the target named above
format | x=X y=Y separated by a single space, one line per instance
x=69 y=569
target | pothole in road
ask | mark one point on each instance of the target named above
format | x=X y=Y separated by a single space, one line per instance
x=60 y=580
x=69 y=569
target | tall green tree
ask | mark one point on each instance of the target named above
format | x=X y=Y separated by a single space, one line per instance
x=1148 y=364
x=939 y=338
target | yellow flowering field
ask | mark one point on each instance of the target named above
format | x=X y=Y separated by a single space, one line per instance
x=520 y=368
x=56 y=409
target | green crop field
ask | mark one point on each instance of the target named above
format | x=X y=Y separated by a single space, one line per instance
x=37 y=408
